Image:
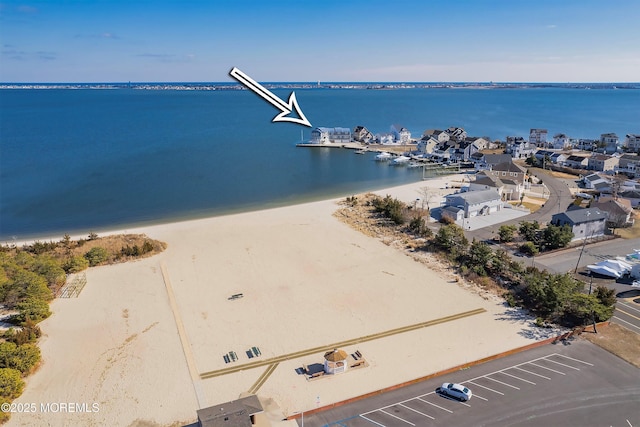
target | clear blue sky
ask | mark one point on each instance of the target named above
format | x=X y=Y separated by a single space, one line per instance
x=328 y=40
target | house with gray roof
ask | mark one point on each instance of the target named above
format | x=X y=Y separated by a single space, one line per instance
x=509 y=170
x=577 y=162
x=585 y=223
x=602 y=162
x=337 y=135
x=475 y=203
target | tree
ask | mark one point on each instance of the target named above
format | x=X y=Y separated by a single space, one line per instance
x=76 y=264
x=480 y=254
x=451 y=238
x=529 y=230
x=554 y=237
x=33 y=309
x=11 y=384
x=418 y=226
x=606 y=296
x=528 y=248
x=506 y=233
x=25 y=284
x=21 y=358
x=50 y=269
x=97 y=256
x=428 y=195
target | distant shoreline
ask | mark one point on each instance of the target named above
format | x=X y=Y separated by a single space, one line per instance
x=321 y=85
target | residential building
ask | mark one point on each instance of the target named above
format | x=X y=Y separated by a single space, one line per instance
x=596 y=182
x=362 y=134
x=602 y=162
x=484 y=161
x=509 y=170
x=475 y=203
x=633 y=196
x=629 y=164
x=509 y=189
x=560 y=142
x=619 y=211
x=518 y=148
x=609 y=142
x=456 y=133
x=337 y=135
x=385 y=138
x=426 y=145
x=585 y=223
x=586 y=144
x=439 y=135
x=632 y=142
x=538 y=137
x=577 y=162
x=400 y=134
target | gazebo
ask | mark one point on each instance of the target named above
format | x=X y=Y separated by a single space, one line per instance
x=335 y=361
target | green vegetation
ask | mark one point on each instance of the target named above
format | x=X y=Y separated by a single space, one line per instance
x=391 y=208
x=29 y=278
x=507 y=233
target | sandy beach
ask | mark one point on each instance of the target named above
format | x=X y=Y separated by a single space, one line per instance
x=140 y=335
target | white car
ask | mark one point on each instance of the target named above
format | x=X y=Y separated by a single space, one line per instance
x=456 y=391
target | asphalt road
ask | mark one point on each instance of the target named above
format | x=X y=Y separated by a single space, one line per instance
x=573 y=384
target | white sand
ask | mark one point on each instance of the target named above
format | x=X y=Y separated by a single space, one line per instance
x=308 y=280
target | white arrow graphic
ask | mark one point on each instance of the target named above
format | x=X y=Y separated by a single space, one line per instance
x=273 y=100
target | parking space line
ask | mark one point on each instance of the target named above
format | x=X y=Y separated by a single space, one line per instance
x=416 y=411
x=518 y=378
x=548 y=369
x=571 y=358
x=437 y=406
x=395 y=416
x=490 y=389
x=568 y=366
x=628 y=314
x=624 y=321
x=532 y=373
x=371 y=421
x=500 y=382
x=480 y=397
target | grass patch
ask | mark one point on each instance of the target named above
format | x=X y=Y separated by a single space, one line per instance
x=617 y=340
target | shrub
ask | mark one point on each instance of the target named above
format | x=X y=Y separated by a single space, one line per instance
x=33 y=309
x=97 y=256
x=76 y=264
x=11 y=384
x=529 y=248
x=21 y=358
x=28 y=334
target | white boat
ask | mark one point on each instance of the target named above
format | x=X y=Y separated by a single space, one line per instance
x=401 y=160
x=611 y=268
x=361 y=151
x=414 y=165
x=383 y=157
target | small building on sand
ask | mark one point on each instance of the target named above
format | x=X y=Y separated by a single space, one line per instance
x=237 y=413
x=335 y=361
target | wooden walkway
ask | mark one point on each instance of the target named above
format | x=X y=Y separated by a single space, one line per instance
x=328 y=347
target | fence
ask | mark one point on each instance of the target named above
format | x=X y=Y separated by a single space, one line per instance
x=73 y=287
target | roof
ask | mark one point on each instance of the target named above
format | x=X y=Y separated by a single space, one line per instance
x=613 y=206
x=575 y=158
x=508 y=167
x=452 y=209
x=496 y=159
x=335 y=355
x=630 y=194
x=600 y=157
x=236 y=413
x=581 y=216
x=594 y=177
x=478 y=196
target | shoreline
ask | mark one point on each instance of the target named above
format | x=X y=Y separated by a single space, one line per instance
x=307 y=279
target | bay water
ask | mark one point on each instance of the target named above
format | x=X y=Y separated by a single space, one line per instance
x=75 y=161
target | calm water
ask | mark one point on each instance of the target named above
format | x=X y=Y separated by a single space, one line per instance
x=88 y=160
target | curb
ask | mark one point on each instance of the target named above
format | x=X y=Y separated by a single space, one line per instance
x=552 y=340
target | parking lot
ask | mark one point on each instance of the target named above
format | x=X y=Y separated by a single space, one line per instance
x=574 y=384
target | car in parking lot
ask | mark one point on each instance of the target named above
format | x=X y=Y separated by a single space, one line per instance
x=457 y=391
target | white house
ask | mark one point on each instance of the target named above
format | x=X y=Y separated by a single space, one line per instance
x=585 y=223
x=439 y=135
x=519 y=148
x=610 y=142
x=323 y=135
x=632 y=142
x=400 y=134
x=426 y=146
x=475 y=203
x=560 y=141
x=538 y=137
x=362 y=134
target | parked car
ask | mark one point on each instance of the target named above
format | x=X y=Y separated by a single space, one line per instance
x=457 y=391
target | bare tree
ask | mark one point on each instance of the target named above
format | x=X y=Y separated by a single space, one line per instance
x=428 y=195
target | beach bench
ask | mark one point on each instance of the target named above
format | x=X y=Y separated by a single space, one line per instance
x=249 y=354
x=256 y=351
x=233 y=356
x=317 y=374
x=235 y=296
x=226 y=359
x=358 y=363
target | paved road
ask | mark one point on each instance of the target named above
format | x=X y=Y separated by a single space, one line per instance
x=577 y=384
x=559 y=199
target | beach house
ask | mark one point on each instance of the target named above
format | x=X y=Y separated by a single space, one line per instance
x=602 y=163
x=538 y=137
x=560 y=141
x=401 y=135
x=324 y=135
x=475 y=203
x=362 y=134
x=609 y=142
x=576 y=162
x=632 y=142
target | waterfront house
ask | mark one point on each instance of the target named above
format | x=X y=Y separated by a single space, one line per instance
x=602 y=162
x=337 y=135
x=484 y=161
x=456 y=133
x=426 y=145
x=509 y=189
x=509 y=170
x=400 y=134
x=585 y=223
x=362 y=134
x=609 y=141
x=577 y=162
x=560 y=141
x=385 y=138
x=475 y=203
x=632 y=142
x=439 y=135
x=633 y=196
x=586 y=144
x=538 y=137
x=558 y=158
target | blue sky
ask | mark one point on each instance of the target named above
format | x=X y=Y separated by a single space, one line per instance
x=303 y=40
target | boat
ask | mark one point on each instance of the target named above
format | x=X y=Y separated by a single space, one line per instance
x=383 y=157
x=415 y=165
x=361 y=151
x=401 y=160
x=611 y=268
